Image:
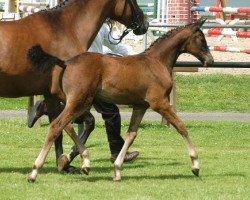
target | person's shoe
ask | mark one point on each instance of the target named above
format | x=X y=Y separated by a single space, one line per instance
x=37 y=111
x=128 y=157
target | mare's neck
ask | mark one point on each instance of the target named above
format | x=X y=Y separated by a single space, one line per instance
x=80 y=21
x=87 y=19
x=167 y=50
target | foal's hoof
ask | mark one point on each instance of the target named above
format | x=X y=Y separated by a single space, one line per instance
x=62 y=162
x=86 y=170
x=195 y=172
x=31 y=180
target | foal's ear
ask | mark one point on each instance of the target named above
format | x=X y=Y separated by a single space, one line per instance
x=200 y=22
x=197 y=25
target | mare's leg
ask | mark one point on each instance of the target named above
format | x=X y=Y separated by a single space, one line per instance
x=137 y=115
x=84 y=131
x=163 y=107
x=55 y=129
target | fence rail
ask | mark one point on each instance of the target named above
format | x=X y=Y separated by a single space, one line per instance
x=166 y=25
x=215 y=65
x=220 y=9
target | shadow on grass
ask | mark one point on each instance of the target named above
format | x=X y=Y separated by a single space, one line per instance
x=103 y=174
x=46 y=170
x=26 y=170
x=93 y=178
x=141 y=162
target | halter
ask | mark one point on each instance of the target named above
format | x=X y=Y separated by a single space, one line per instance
x=136 y=23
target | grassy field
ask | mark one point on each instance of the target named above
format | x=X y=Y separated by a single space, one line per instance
x=162 y=170
x=195 y=93
x=213 y=93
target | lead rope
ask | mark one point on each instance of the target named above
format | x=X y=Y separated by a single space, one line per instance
x=110 y=37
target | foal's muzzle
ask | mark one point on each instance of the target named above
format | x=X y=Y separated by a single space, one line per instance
x=208 y=61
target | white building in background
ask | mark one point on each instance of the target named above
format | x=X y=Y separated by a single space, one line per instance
x=10 y=9
x=9 y=6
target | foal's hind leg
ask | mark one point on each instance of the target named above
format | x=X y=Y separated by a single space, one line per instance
x=163 y=107
x=89 y=125
x=54 y=109
x=54 y=130
x=81 y=148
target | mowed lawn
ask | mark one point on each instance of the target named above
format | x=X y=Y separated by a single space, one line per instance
x=162 y=170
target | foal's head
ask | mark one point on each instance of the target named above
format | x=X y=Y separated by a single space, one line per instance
x=196 y=44
x=128 y=13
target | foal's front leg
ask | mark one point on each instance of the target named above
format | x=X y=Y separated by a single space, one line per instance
x=137 y=115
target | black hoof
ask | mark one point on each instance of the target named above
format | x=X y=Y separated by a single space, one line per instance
x=86 y=170
x=72 y=170
x=195 y=172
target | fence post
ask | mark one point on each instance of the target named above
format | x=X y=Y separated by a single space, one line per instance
x=155 y=8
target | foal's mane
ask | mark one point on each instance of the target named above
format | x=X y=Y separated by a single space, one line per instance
x=168 y=35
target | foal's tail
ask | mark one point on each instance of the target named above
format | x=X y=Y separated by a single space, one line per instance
x=43 y=61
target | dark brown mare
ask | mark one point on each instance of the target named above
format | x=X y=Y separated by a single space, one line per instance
x=64 y=31
x=142 y=80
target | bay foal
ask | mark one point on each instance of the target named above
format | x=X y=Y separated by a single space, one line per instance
x=142 y=80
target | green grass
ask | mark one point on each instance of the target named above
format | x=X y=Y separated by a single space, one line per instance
x=213 y=93
x=13 y=103
x=162 y=170
x=195 y=93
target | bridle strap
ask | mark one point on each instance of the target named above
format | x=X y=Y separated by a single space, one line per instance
x=136 y=23
x=135 y=15
x=124 y=33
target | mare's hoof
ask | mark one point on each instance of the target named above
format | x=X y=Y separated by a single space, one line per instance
x=195 y=172
x=62 y=162
x=72 y=170
x=86 y=170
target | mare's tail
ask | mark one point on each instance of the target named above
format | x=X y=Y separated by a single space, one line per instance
x=43 y=61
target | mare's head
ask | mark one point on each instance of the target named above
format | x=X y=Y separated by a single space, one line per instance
x=128 y=13
x=196 y=44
